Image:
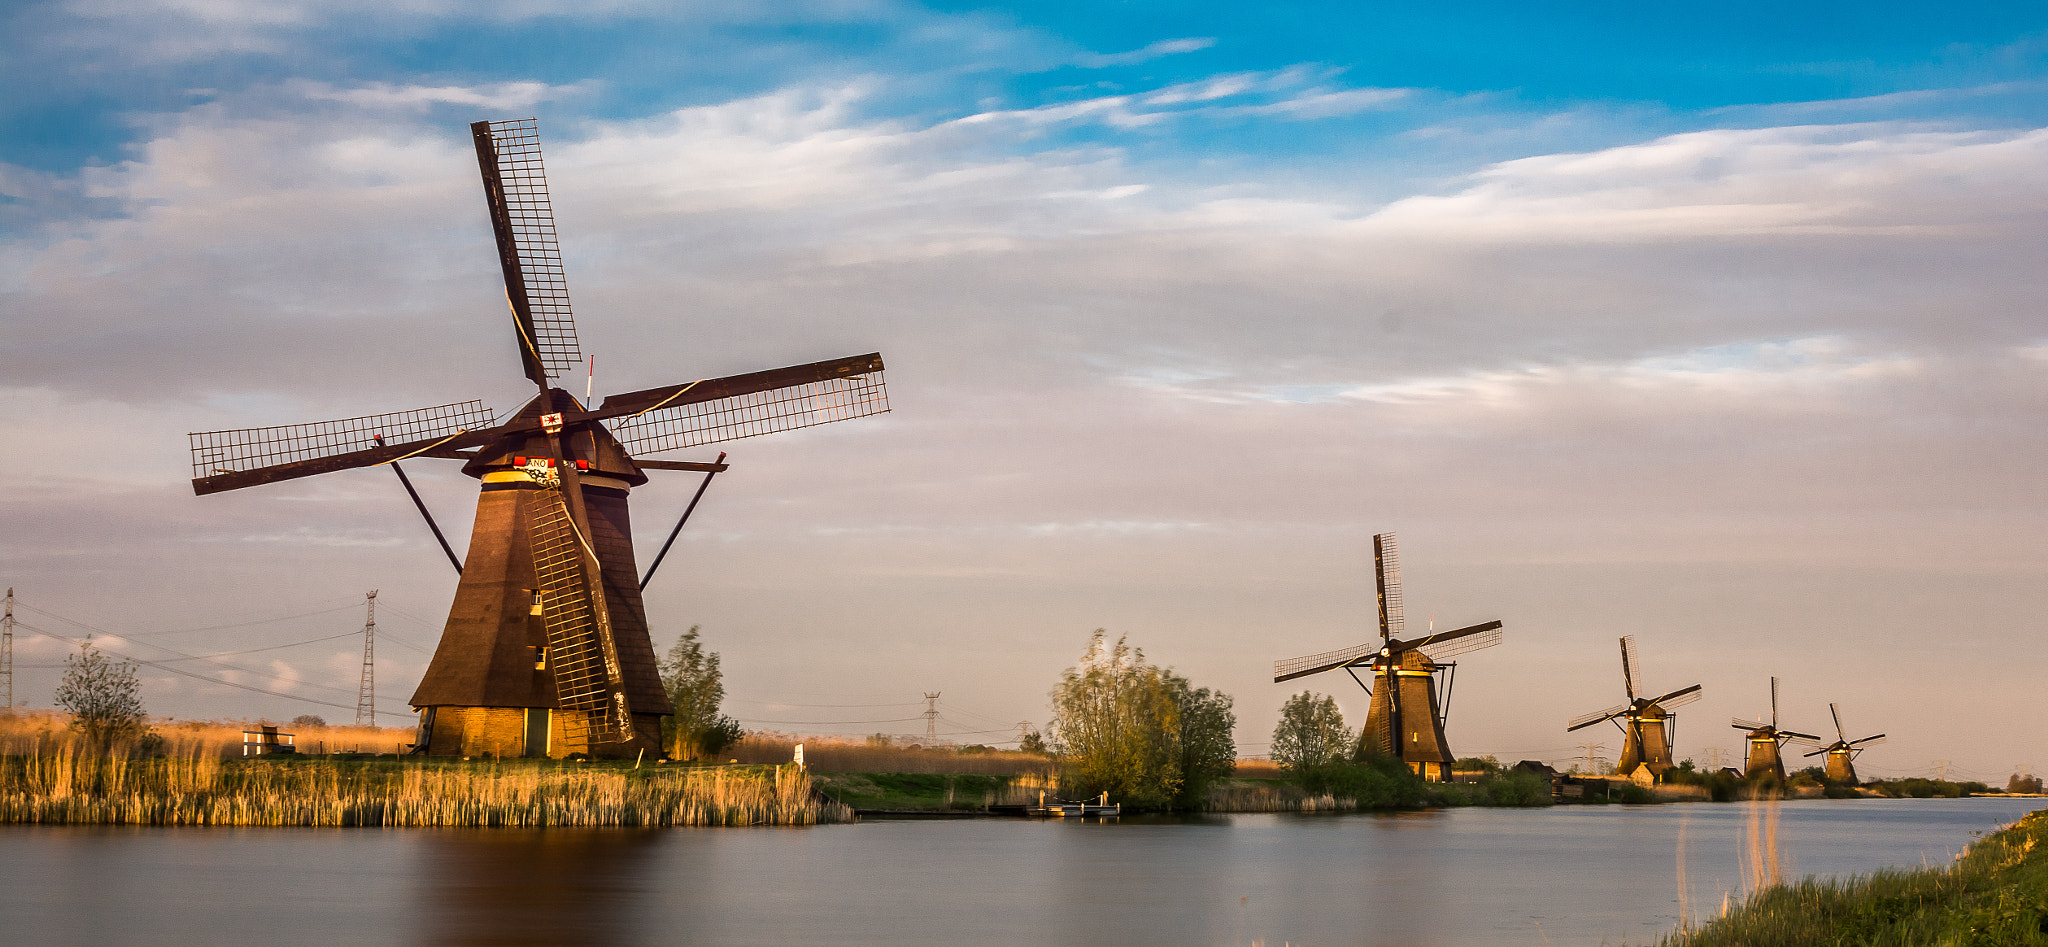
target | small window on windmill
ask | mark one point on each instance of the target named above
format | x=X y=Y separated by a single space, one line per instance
x=540 y=657
x=536 y=604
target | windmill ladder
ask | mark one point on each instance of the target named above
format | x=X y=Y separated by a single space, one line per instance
x=580 y=647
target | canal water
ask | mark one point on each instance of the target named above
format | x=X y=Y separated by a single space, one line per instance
x=1568 y=875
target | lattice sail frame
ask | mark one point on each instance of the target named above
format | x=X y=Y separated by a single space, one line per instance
x=215 y=452
x=581 y=650
x=751 y=415
x=531 y=218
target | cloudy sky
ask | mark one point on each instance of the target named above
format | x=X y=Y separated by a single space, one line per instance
x=1722 y=328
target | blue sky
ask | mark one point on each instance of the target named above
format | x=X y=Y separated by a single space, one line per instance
x=1721 y=327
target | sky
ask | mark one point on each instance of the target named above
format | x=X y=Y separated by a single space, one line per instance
x=1721 y=327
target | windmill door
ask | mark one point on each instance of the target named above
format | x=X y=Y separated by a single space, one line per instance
x=536 y=731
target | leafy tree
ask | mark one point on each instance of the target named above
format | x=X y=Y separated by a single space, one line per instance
x=1144 y=734
x=1034 y=742
x=103 y=696
x=309 y=722
x=696 y=686
x=1311 y=732
x=1208 y=744
x=2026 y=784
x=1116 y=726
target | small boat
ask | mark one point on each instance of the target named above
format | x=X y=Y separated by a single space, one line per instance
x=1057 y=809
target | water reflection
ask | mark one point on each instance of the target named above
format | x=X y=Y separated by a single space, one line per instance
x=559 y=887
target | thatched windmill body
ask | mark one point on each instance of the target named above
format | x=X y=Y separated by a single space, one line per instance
x=546 y=650
x=1647 y=724
x=1412 y=681
x=1767 y=742
x=1841 y=762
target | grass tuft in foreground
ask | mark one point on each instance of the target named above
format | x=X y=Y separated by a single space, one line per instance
x=1996 y=893
x=190 y=786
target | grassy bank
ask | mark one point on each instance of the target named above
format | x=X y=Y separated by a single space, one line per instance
x=1996 y=893
x=190 y=786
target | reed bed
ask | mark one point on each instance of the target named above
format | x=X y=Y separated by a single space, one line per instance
x=1239 y=796
x=24 y=730
x=191 y=786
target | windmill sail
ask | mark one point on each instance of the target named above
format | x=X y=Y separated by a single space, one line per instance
x=227 y=460
x=1386 y=567
x=725 y=409
x=523 y=219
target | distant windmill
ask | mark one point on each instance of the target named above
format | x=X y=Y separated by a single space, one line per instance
x=1766 y=740
x=1647 y=724
x=1843 y=752
x=546 y=651
x=1408 y=707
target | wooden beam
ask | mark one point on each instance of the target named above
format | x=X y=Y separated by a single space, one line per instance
x=679 y=465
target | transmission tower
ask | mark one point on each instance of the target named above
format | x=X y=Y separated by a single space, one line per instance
x=1717 y=757
x=1591 y=760
x=931 y=719
x=366 y=695
x=1941 y=769
x=7 y=656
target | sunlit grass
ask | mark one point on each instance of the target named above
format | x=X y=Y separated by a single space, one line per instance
x=1996 y=893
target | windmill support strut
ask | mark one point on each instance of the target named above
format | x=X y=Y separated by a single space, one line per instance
x=672 y=534
x=421 y=505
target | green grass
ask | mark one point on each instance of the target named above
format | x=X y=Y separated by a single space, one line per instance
x=925 y=792
x=1995 y=895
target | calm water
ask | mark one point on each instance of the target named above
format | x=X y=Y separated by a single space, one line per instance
x=1461 y=877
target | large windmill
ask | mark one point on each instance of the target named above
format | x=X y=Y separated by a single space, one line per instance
x=1647 y=724
x=546 y=650
x=1766 y=741
x=1843 y=752
x=1408 y=706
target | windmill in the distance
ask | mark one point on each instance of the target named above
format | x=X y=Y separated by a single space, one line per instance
x=1766 y=741
x=1647 y=724
x=546 y=650
x=1408 y=707
x=1842 y=753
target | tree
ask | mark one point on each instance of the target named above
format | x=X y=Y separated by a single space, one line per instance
x=1145 y=735
x=1208 y=744
x=1311 y=732
x=1115 y=726
x=696 y=686
x=103 y=696
x=309 y=722
x=1033 y=742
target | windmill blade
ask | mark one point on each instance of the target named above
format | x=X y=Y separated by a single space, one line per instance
x=1386 y=572
x=1583 y=721
x=1679 y=697
x=1630 y=672
x=1317 y=663
x=1868 y=741
x=724 y=409
x=230 y=460
x=1742 y=724
x=1803 y=739
x=1839 y=732
x=1774 y=700
x=1446 y=644
x=523 y=220
x=1818 y=752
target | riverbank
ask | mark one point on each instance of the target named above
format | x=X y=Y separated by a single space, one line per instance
x=68 y=787
x=1995 y=893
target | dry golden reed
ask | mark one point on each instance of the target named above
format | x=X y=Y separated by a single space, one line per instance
x=191 y=785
